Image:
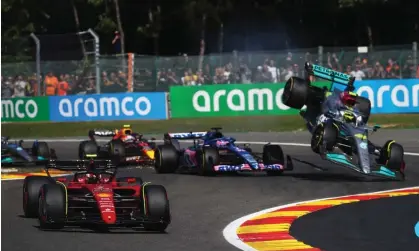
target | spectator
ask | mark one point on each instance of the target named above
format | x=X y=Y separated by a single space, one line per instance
x=273 y=70
x=63 y=86
x=288 y=73
x=51 y=83
x=378 y=71
x=91 y=86
x=117 y=42
x=20 y=87
x=358 y=74
x=6 y=88
x=219 y=77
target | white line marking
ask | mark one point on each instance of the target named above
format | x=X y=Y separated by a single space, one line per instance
x=230 y=233
x=190 y=141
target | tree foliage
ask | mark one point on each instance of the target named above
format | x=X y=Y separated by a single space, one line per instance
x=178 y=25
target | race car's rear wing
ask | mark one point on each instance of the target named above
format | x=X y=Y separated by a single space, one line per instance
x=331 y=75
x=79 y=165
x=101 y=133
x=184 y=135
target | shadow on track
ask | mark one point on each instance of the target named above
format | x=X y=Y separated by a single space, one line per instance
x=95 y=230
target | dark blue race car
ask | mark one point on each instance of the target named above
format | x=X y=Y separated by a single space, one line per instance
x=212 y=152
x=15 y=153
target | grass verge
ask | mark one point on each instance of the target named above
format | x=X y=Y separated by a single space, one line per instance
x=229 y=124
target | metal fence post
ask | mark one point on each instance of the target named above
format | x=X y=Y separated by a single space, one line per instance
x=320 y=55
x=97 y=57
x=415 y=56
x=38 y=61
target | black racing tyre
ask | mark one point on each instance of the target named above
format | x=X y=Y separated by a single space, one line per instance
x=86 y=148
x=273 y=154
x=41 y=148
x=116 y=148
x=324 y=131
x=31 y=187
x=207 y=158
x=166 y=159
x=156 y=207
x=364 y=106
x=392 y=156
x=174 y=142
x=296 y=92
x=124 y=181
x=52 y=206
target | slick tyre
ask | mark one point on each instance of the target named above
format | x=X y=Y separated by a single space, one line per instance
x=207 y=158
x=166 y=159
x=87 y=148
x=324 y=132
x=31 y=187
x=156 y=207
x=117 y=148
x=273 y=154
x=364 y=107
x=52 y=206
x=392 y=156
x=296 y=93
x=41 y=149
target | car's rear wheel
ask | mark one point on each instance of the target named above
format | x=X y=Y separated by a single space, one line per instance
x=156 y=207
x=166 y=159
x=88 y=149
x=41 y=149
x=296 y=92
x=364 y=107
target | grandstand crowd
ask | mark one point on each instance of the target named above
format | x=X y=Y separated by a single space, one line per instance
x=185 y=74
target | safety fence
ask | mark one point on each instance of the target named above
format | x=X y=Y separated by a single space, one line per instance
x=387 y=96
x=141 y=73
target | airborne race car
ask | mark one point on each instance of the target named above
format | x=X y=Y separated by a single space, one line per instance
x=125 y=147
x=337 y=121
x=215 y=154
x=94 y=197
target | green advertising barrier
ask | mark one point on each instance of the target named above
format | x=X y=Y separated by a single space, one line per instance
x=31 y=109
x=230 y=100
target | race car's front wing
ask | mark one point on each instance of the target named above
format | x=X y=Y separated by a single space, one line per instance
x=247 y=167
x=377 y=170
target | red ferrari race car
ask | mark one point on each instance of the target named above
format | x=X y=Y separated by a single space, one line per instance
x=125 y=146
x=94 y=196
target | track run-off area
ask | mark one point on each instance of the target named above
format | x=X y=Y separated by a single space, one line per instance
x=202 y=207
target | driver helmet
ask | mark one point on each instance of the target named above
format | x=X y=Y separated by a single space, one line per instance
x=348 y=98
x=91 y=178
x=129 y=138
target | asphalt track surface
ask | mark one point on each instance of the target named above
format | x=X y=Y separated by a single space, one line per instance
x=396 y=216
x=201 y=206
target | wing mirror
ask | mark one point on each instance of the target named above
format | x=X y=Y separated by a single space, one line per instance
x=376 y=127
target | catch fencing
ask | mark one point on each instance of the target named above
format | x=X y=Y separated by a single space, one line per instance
x=141 y=73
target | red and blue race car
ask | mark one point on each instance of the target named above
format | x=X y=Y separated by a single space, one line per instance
x=213 y=153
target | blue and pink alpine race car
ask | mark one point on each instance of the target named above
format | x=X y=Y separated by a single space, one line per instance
x=212 y=153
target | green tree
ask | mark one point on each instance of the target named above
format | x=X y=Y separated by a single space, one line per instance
x=153 y=28
x=106 y=23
